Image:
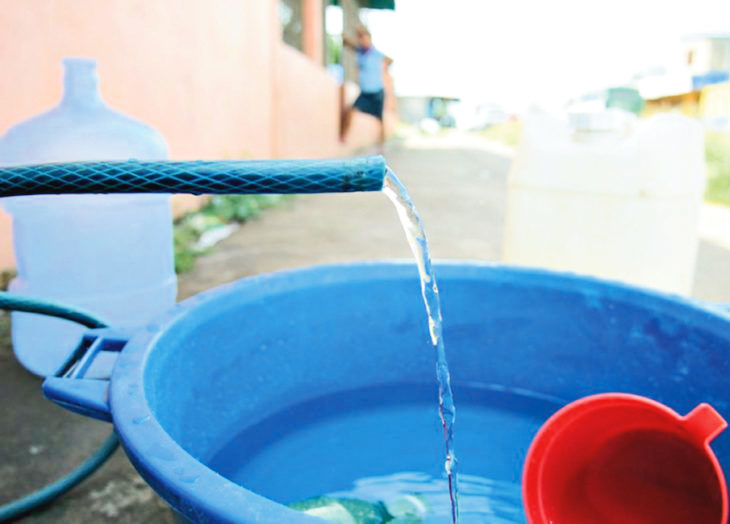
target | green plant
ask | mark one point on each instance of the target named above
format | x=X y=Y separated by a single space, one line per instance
x=220 y=210
x=508 y=133
x=239 y=208
x=334 y=49
x=717 y=155
x=185 y=237
x=6 y=275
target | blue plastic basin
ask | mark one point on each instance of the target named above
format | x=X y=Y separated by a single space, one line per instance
x=227 y=362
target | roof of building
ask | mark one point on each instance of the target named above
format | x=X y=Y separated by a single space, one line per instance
x=706 y=36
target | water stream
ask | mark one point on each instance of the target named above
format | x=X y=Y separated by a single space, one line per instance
x=416 y=235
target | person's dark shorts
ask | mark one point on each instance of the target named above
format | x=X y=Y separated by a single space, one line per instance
x=371 y=103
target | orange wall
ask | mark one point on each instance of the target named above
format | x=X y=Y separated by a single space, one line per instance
x=199 y=72
x=6 y=252
x=306 y=107
x=313 y=29
x=214 y=77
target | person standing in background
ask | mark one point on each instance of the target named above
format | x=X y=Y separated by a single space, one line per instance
x=371 y=65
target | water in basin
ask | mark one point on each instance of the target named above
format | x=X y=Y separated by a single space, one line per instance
x=384 y=443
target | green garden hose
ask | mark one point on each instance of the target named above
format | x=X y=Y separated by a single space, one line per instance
x=19 y=507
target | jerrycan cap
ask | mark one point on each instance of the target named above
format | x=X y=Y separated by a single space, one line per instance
x=609 y=123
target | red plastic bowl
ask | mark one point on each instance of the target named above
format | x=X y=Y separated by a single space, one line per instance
x=620 y=458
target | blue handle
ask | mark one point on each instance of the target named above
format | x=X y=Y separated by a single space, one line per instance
x=197 y=177
x=70 y=389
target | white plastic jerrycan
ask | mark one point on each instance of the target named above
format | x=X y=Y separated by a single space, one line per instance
x=111 y=255
x=608 y=195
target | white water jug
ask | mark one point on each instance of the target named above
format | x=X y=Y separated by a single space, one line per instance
x=109 y=254
x=608 y=195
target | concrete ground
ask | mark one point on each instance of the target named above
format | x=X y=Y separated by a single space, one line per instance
x=458 y=184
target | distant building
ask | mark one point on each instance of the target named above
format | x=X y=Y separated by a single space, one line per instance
x=708 y=59
x=626 y=98
x=698 y=87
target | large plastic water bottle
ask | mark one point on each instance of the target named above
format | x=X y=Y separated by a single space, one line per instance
x=109 y=254
x=608 y=195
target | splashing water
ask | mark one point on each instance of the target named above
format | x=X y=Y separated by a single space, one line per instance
x=416 y=235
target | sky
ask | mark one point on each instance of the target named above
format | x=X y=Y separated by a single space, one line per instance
x=522 y=52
